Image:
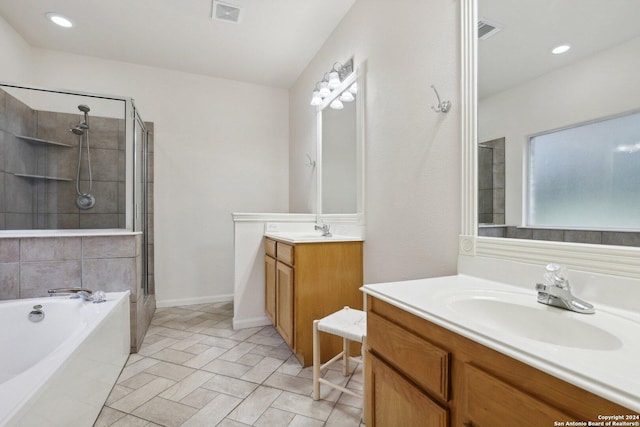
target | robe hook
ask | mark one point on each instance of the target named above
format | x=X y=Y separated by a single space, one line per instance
x=443 y=106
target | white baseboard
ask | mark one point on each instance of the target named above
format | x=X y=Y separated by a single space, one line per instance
x=194 y=301
x=251 y=322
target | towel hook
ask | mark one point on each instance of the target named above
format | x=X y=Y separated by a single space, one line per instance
x=443 y=106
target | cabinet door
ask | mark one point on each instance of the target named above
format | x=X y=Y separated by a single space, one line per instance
x=284 y=302
x=391 y=400
x=270 y=288
x=486 y=401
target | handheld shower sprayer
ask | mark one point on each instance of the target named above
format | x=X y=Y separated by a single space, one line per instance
x=85 y=109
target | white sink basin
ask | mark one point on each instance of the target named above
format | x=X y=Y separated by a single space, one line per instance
x=518 y=314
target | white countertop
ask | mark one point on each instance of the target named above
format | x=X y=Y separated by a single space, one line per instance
x=310 y=237
x=599 y=353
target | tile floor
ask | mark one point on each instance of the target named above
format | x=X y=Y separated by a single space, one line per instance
x=193 y=369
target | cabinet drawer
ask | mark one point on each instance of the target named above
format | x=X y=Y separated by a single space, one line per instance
x=419 y=360
x=270 y=247
x=487 y=399
x=284 y=253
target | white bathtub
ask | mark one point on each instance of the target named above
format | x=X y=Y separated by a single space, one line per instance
x=59 y=372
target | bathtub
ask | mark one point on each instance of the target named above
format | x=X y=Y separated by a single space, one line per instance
x=59 y=371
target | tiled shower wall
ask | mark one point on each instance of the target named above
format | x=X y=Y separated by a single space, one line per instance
x=31 y=266
x=49 y=203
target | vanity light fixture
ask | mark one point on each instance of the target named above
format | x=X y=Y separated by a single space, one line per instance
x=560 y=49
x=60 y=20
x=331 y=81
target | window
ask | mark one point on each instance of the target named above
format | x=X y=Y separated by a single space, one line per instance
x=587 y=176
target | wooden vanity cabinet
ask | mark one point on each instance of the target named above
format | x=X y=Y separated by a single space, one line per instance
x=418 y=373
x=307 y=281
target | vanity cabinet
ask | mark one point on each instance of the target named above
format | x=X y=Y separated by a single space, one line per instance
x=422 y=374
x=307 y=281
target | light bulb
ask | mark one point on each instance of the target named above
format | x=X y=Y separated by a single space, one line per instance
x=324 y=89
x=60 y=20
x=346 y=96
x=336 y=104
x=560 y=49
x=354 y=88
x=334 y=80
x=316 y=99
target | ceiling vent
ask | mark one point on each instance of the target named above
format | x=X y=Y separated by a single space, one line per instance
x=225 y=12
x=487 y=28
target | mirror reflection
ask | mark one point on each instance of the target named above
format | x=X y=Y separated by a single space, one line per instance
x=526 y=90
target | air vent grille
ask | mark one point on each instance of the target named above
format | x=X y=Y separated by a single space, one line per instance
x=225 y=12
x=487 y=28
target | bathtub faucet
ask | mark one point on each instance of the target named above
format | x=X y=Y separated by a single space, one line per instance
x=85 y=294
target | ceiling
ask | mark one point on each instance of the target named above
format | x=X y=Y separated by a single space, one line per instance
x=521 y=51
x=271 y=45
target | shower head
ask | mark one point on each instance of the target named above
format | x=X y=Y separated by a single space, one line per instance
x=84 y=108
x=78 y=130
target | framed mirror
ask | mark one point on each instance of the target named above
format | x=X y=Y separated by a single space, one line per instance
x=561 y=96
x=340 y=145
x=523 y=96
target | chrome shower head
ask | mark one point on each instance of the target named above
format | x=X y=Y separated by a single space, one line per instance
x=78 y=130
x=84 y=108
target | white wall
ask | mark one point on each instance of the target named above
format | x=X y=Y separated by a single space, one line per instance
x=603 y=85
x=220 y=146
x=412 y=154
x=15 y=55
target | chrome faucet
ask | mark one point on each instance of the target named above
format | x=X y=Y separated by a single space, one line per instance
x=324 y=228
x=85 y=294
x=555 y=291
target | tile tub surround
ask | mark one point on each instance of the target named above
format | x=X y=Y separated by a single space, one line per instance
x=615 y=238
x=29 y=266
x=194 y=370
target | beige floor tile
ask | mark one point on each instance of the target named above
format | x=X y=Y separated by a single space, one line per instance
x=265 y=340
x=142 y=395
x=199 y=360
x=184 y=387
x=149 y=350
x=303 y=405
x=231 y=423
x=291 y=366
x=117 y=393
x=214 y=412
x=254 y=405
x=165 y=412
x=135 y=368
x=107 y=417
x=199 y=398
x=223 y=367
x=237 y=352
x=170 y=371
x=138 y=380
x=262 y=370
x=173 y=356
x=130 y=421
x=344 y=416
x=302 y=421
x=219 y=342
x=232 y=386
x=250 y=359
x=289 y=383
x=274 y=417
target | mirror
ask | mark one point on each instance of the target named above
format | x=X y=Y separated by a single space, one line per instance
x=524 y=90
x=340 y=149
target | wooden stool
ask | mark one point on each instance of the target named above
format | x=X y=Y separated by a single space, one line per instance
x=351 y=325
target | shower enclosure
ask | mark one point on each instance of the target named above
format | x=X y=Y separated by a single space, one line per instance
x=74 y=172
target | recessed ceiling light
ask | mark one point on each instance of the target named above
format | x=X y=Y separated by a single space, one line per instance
x=60 y=20
x=560 y=49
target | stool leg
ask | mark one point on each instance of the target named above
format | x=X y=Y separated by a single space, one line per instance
x=345 y=356
x=316 y=361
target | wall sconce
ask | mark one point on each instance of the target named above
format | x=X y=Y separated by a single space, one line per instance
x=330 y=82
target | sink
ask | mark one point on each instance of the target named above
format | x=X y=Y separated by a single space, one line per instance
x=309 y=236
x=521 y=315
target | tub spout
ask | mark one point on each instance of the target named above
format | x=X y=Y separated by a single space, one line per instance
x=85 y=294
